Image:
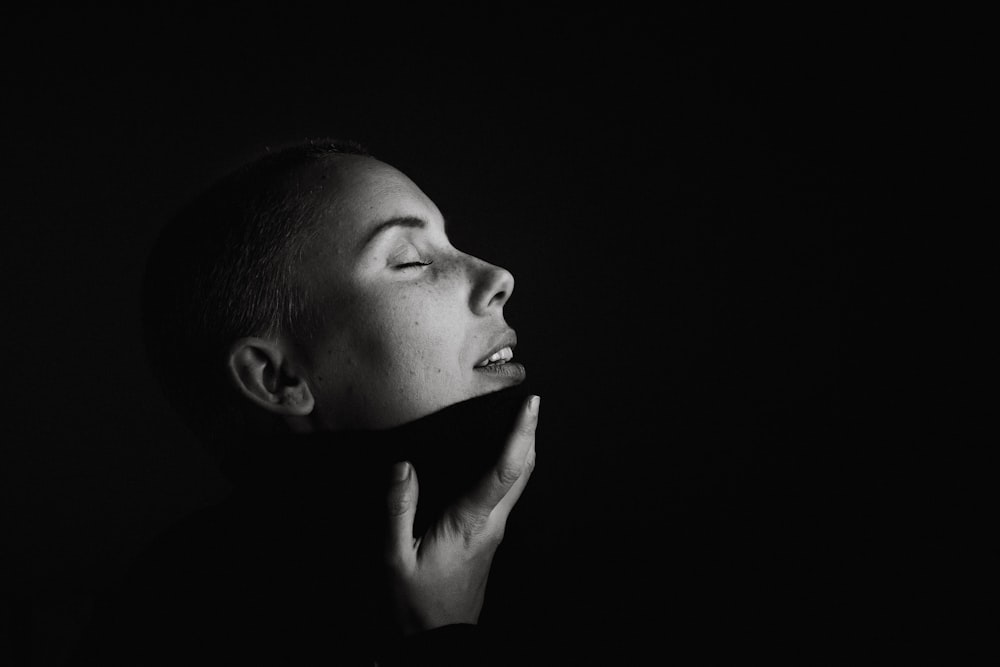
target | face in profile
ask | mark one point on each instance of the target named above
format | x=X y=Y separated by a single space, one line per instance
x=410 y=324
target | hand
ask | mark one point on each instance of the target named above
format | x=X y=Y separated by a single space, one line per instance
x=440 y=578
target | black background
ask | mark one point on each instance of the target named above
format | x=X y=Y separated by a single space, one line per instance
x=728 y=266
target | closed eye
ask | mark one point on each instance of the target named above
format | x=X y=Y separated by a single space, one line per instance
x=410 y=265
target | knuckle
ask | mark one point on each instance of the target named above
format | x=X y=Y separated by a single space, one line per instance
x=508 y=473
x=399 y=504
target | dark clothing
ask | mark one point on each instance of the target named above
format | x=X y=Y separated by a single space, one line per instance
x=284 y=570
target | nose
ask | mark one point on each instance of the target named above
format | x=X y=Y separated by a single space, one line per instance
x=491 y=287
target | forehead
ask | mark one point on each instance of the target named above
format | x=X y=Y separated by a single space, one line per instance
x=357 y=192
x=353 y=195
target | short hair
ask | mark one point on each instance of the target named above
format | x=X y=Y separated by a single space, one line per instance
x=225 y=267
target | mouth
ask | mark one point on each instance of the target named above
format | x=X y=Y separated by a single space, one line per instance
x=498 y=358
x=501 y=352
x=499 y=361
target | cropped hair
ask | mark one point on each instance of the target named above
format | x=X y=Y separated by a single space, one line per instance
x=225 y=267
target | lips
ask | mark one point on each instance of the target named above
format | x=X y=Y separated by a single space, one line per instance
x=511 y=373
x=498 y=363
x=501 y=352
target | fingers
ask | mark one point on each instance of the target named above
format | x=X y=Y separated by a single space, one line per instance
x=509 y=473
x=402 y=506
x=506 y=504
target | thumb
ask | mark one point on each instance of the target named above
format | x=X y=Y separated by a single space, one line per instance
x=402 y=507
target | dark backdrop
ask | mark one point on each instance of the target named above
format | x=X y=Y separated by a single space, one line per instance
x=717 y=226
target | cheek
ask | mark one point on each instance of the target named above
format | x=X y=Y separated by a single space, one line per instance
x=406 y=332
x=425 y=340
x=427 y=331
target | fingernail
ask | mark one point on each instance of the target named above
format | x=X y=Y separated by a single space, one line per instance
x=533 y=404
x=400 y=471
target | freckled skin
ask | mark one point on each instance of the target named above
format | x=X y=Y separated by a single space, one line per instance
x=397 y=342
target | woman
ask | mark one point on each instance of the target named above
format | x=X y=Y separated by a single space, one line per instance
x=310 y=319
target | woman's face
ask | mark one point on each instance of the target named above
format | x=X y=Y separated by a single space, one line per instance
x=408 y=321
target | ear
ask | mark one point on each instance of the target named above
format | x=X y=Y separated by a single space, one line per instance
x=264 y=373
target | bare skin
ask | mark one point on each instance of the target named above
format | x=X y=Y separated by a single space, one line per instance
x=411 y=324
x=440 y=578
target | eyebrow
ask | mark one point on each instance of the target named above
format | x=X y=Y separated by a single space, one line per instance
x=385 y=225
